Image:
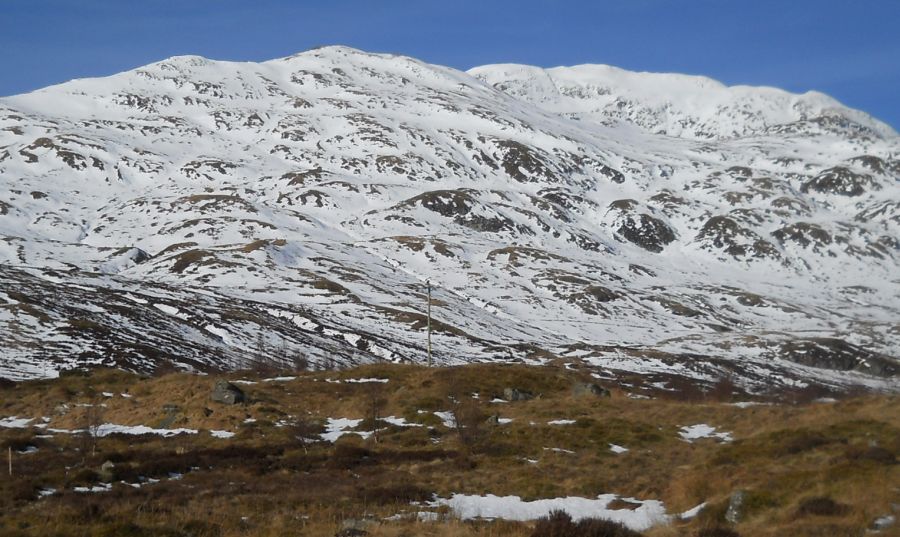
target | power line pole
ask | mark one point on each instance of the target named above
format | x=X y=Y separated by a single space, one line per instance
x=428 y=283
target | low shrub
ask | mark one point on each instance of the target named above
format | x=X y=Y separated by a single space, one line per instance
x=821 y=506
x=800 y=441
x=346 y=456
x=123 y=529
x=22 y=490
x=19 y=441
x=875 y=454
x=198 y=528
x=559 y=524
x=82 y=477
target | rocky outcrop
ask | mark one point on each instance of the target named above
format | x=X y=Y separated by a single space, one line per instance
x=586 y=389
x=839 y=355
x=724 y=233
x=734 y=512
x=227 y=393
x=651 y=234
x=515 y=394
x=840 y=181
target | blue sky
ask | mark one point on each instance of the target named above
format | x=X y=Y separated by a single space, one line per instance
x=850 y=50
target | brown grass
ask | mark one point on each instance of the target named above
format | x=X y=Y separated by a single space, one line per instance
x=265 y=481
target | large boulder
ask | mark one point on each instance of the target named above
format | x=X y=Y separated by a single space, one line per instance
x=735 y=506
x=648 y=232
x=581 y=389
x=514 y=394
x=882 y=523
x=107 y=472
x=227 y=393
x=354 y=527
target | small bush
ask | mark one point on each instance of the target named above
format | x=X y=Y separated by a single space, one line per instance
x=22 y=490
x=19 y=441
x=197 y=528
x=759 y=500
x=404 y=493
x=347 y=456
x=875 y=454
x=559 y=524
x=598 y=527
x=801 y=441
x=556 y=524
x=821 y=506
x=82 y=477
x=122 y=529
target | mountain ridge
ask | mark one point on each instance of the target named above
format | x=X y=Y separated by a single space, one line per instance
x=659 y=89
x=328 y=187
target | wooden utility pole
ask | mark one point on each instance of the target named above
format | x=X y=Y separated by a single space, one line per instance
x=428 y=283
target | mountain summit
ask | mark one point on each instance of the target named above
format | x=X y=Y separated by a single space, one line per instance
x=213 y=215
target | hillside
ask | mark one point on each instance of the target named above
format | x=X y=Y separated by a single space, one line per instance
x=481 y=449
x=212 y=215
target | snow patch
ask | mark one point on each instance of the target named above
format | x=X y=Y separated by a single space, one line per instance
x=690 y=433
x=338 y=427
x=366 y=380
x=220 y=332
x=561 y=422
x=102 y=487
x=447 y=418
x=171 y=310
x=648 y=513
x=111 y=428
x=15 y=422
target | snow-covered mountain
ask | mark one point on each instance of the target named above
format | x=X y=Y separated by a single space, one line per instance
x=206 y=213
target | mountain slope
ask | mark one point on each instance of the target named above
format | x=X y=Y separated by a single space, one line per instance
x=309 y=199
x=675 y=105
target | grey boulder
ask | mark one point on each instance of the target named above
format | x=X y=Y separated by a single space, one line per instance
x=227 y=393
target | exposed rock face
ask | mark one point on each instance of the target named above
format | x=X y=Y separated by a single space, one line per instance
x=582 y=389
x=837 y=354
x=522 y=163
x=515 y=394
x=804 y=234
x=724 y=233
x=227 y=393
x=841 y=181
x=651 y=234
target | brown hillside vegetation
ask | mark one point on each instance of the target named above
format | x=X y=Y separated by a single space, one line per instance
x=802 y=469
